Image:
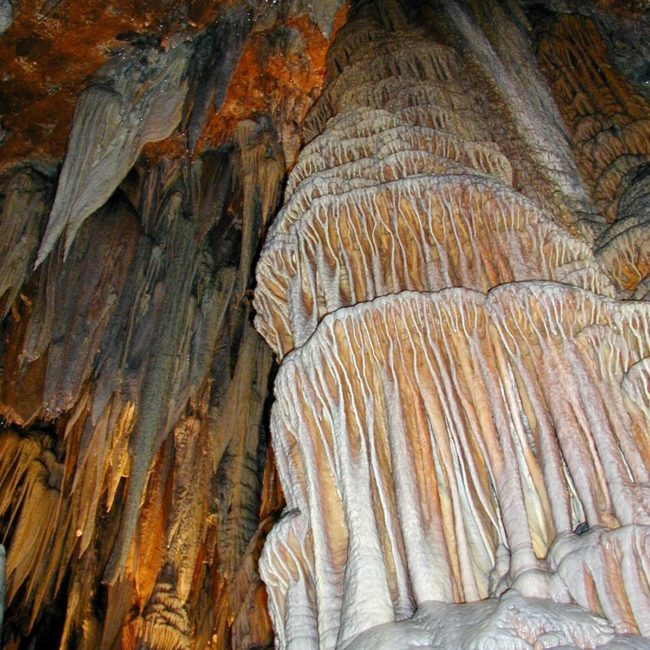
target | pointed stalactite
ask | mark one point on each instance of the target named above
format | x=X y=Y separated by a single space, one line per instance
x=129 y=366
x=25 y=197
x=130 y=113
x=222 y=43
x=142 y=347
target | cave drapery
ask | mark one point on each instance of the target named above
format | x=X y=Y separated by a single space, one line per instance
x=454 y=287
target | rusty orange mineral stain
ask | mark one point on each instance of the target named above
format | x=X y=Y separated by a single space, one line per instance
x=624 y=8
x=21 y=392
x=172 y=148
x=46 y=58
x=262 y=82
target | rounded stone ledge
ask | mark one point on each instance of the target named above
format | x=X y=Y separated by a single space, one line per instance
x=624 y=250
x=356 y=122
x=330 y=151
x=334 y=255
x=514 y=622
x=423 y=60
x=393 y=94
x=364 y=172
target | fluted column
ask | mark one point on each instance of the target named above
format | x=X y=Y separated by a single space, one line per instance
x=459 y=394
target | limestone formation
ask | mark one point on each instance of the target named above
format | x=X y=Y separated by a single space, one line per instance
x=25 y=197
x=131 y=112
x=122 y=336
x=143 y=155
x=454 y=288
x=461 y=414
x=6 y=15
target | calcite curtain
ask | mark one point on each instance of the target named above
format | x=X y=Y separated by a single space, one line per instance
x=324 y=325
x=461 y=411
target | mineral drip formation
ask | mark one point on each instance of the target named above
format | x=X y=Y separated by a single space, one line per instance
x=609 y=125
x=137 y=482
x=461 y=412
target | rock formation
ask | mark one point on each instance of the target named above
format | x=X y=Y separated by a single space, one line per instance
x=454 y=288
x=136 y=482
x=461 y=411
x=126 y=344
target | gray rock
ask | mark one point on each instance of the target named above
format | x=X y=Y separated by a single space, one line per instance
x=131 y=101
x=321 y=12
x=6 y=15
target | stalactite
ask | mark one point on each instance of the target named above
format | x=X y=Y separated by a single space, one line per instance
x=131 y=113
x=24 y=202
x=460 y=418
x=138 y=484
x=134 y=409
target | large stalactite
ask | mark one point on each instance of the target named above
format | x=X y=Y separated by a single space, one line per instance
x=454 y=288
x=461 y=412
x=139 y=352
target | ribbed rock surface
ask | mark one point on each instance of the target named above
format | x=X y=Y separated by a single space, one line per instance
x=461 y=412
x=24 y=204
x=455 y=439
x=423 y=233
x=461 y=417
x=609 y=124
x=136 y=103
